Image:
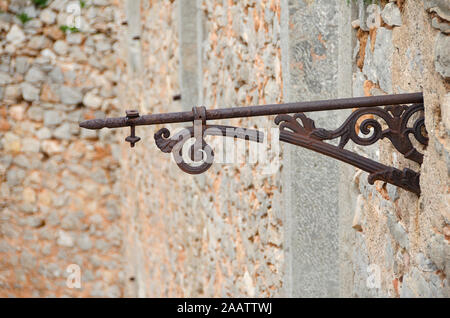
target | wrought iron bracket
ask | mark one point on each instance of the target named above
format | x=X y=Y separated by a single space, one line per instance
x=399 y=117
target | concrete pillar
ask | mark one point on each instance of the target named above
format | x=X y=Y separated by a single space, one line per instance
x=311 y=56
x=190 y=35
x=348 y=192
x=133 y=12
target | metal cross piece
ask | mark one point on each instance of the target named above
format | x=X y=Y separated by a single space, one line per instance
x=132 y=139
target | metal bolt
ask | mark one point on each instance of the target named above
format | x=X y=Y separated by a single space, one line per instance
x=132 y=139
x=133 y=113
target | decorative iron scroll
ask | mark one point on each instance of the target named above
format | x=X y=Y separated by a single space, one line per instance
x=401 y=110
x=305 y=134
x=204 y=156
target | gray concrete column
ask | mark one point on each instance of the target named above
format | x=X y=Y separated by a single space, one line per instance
x=190 y=35
x=133 y=12
x=311 y=54
x=347 y=191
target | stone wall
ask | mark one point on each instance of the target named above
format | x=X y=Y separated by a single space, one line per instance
x=219 y=233
x=58 y=194
x=294 y=224
x=400 y=246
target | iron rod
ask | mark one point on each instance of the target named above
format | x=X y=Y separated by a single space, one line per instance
x=260 y=110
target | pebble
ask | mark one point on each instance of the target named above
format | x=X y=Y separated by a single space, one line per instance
x=15 y=35
x=60 y=47
x=39 y=42
x=64 y=239
x=52 y=118
x=84 y=242
x=63 y=132
x=5 y=78
x=15 y=176
x=391 y=14
x=29 y=196
x=35 y=113
x=444 y=26
x=442 y=56
x=74 y=38
x=30 y=93
x=11 y=142
x=22 y=64
x=56 y=75
x=31 y=145
x=35 y=75
x=12 y=93
x=48 y=16
x=70 y=95
x=91 y=100
x=51 y=147
x=16 y=112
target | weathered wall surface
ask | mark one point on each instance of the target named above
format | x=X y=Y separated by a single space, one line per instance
x=223 y=233
x=219 y=233
x=58 y=200
x=242 y=66
x=401 y=238
x=138 y=226
x=311 y=64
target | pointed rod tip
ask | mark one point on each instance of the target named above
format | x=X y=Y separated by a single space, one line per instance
x=92 y=124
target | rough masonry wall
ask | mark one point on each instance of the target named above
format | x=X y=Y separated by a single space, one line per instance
x=399 y=237
x=156 y=217
x=242 y=66
x=58 y=200
x=219 y=233
x=138 y=226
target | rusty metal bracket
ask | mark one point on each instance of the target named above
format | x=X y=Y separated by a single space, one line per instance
x=361 y=127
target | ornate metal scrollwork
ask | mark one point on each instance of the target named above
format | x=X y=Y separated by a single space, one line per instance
x=175 y=145
x=396 y=118
x=397 y=131
x=406 y=178
x=201 y=153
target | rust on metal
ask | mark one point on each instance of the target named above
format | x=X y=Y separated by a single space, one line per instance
x=132 y=139
x=397 y=112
